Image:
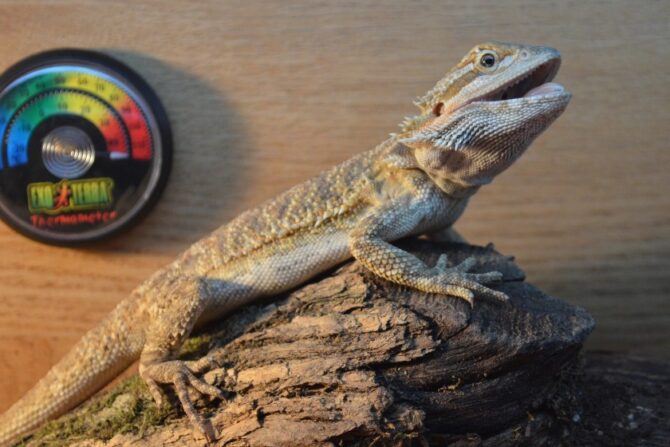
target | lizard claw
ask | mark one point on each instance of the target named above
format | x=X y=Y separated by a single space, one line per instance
x=178 y=374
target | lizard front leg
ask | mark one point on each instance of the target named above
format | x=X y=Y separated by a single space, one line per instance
x=172 y=316
x=368 y=244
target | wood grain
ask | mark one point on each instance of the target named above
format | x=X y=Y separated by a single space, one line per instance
x=262 y=95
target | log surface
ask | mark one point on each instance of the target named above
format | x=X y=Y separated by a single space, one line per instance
x=354 y=360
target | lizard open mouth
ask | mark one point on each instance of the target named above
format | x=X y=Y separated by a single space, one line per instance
x=535 y=82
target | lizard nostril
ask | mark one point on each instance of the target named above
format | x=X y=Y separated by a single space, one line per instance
x=437 y=110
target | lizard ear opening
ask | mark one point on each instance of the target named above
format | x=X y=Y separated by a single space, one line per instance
x=437 y=110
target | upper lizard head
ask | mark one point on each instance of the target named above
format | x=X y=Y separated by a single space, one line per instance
x=485 y=112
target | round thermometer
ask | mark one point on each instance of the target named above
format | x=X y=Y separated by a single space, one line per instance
x=85 y=146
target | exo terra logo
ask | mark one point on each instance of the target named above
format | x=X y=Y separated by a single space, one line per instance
x=70 y=195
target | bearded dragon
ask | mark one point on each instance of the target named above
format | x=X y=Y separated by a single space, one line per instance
x=472 y=125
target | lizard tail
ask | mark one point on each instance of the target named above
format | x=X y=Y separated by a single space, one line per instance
x=101 y=354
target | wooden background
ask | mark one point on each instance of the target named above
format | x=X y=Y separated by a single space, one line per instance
x=263 y=95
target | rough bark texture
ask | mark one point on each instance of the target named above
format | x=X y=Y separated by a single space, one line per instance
x=353 y=360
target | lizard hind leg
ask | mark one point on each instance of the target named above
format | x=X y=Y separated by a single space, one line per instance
x=172 y=317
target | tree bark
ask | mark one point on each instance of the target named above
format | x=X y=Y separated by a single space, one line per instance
x=354 y=360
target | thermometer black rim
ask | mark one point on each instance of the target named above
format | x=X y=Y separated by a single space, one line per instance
x=85 y=146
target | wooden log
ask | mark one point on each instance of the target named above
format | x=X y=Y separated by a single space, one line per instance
x=354 y=360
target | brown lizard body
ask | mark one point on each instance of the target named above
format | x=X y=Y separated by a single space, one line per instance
x=474 y=124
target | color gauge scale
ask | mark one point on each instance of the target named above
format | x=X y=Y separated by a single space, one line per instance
x=85 y=146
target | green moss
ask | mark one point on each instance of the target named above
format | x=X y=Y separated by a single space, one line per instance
x=128 y=408
x=195 y=347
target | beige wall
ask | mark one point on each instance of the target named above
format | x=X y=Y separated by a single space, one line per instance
x=264 y=95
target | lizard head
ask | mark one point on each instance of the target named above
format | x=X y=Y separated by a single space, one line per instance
x=485 y=112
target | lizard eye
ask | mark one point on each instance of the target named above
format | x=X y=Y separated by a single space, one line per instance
x=487 y=60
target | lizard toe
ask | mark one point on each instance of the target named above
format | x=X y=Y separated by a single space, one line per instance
x=202 y=365
x=441 y=263
x=155 y=391
x=460 y=292
x=203 y=425
x=466 y=265
x=486 y=278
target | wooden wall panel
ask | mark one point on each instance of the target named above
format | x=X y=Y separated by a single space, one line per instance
x=265 y=94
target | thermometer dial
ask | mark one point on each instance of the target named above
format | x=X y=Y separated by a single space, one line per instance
x=85 y=146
